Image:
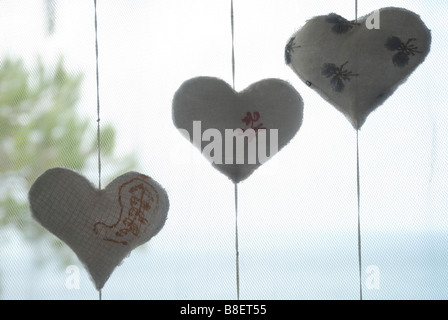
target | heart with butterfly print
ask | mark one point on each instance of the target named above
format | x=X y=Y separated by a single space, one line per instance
x=355 y=66
x=231 y=128
x=101 y=226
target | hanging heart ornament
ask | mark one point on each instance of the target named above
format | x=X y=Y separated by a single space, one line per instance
x=356 y=66
x=237 y=131
x=101 y=226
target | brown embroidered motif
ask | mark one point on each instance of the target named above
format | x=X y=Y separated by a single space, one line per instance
x=405 y=50
x=337 y=74
x=289 y=49
x=340 y=24
x=137 y=199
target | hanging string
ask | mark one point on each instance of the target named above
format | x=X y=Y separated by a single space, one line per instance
x=98 y=110
x=237 y=262
x=358 y=191
x=237 y=253
x=233 y=46
x=97 y=99
x=359 y=216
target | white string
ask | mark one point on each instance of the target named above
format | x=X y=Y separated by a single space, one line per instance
x=237 y=253
x=359 y=215
x=98 y=111
x=233 y=47
x=97 y=99
x=358 y=192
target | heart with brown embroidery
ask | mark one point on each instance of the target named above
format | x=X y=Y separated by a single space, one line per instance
x=237 y=131
x=101 y=226
x=356 y=66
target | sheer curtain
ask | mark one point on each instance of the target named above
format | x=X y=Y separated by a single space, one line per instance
x=298 y=218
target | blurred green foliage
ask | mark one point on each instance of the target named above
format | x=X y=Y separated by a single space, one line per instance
x=40 y=128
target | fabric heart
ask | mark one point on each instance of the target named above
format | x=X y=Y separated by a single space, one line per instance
x=101 y=226
x=356 y=67
x=237 y=131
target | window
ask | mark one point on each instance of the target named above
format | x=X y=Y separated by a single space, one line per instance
x=297 y=213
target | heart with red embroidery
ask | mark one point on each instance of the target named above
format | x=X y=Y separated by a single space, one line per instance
x=356 y=66
x=237 y=131
x=101 y=226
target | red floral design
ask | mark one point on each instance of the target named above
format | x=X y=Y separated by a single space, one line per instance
x=250 y=120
